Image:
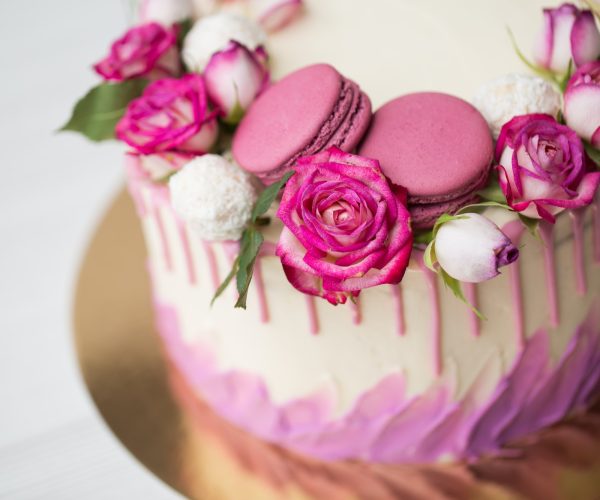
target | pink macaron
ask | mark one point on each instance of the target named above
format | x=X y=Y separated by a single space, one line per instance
x=304 y=113
x=437 y=146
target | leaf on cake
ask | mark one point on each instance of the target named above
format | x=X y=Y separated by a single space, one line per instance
x=96 y=114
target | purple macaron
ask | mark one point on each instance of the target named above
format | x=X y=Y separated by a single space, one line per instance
x=437 y=146
x=304 y=113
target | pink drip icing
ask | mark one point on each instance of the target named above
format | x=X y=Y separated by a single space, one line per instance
x=212 y=264
x=187 y=251
x=398 y=306
x=313 y=319
x=260 y=292
x=470 y=290
x=163 y=236
x=596 y=209
x=578 y=253
x=546 y=233
x=356 y=311
x=514 y=230
x=436 y=320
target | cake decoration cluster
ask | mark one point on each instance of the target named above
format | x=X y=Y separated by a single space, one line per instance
x=183 y=93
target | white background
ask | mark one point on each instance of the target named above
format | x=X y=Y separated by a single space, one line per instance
x=53 y=190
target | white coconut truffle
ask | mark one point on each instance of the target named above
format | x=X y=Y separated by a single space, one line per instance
x=213 y=33
x=511 y=95
x=214 y=196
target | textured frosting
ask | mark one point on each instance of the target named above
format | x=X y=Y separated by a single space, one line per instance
x=304 y=113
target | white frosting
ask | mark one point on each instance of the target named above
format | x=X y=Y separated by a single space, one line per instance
x=390 y=48
x=213 y=33
x=214 y=196
x=512 y=95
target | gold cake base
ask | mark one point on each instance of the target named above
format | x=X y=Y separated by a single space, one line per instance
x=169 y=430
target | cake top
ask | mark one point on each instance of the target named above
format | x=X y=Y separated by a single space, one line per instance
x=350 y=221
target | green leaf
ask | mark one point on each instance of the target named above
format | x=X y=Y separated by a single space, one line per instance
x=492 y=191
x=422 y=237
x=564 y=80
x=593 y=153
x=223 y=286
x=183 y=28
x=429 y=257
x=267 y=197
x=477 y=207
x=531 y=225
x=538 y=70
x=252 y=240
x=454 y=285
x=97 y=113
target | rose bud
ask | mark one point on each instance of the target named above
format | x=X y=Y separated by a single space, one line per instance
x=165 y=12
x=171 y=115
x=213 y=34
x=274 y=15
x=568 y=33
x=234 y=77
x=214 y=196
x=582 y=103
x=346 y=228
x=472 y=248
x=149 y=50
x=542 y=167
x=514 y=94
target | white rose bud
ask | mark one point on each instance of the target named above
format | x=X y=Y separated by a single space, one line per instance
x=212 y=34
x=473 y=248
x=214 y=196
x=514 y=95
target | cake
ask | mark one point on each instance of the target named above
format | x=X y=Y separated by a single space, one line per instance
x=463 y=326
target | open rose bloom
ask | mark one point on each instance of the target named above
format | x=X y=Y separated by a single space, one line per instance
x=149 y=50
x=171 y=115
x=568 y=33
x=582 y=103
x=346 y=228
x=543 y=167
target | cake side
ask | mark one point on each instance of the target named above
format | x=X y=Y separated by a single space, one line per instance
x=304 y=373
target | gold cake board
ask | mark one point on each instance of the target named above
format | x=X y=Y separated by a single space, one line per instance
x=147 y=406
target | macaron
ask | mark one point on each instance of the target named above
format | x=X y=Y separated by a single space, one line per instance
x=439 y=147
x=306 y=112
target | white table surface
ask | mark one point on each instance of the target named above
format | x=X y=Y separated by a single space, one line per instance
x=53 y=190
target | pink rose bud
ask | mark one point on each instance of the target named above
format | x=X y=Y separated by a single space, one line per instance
x=274 y=15
x=542 y=167
x=149 y=50
x=568 y=33
x=346 y=228
x=582 y=103
x=171 y=115
x=234 y=77
x=472 y=249
x=165 y=12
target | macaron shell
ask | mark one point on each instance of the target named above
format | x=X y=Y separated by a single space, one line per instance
x=286 y=118
x=436 y=145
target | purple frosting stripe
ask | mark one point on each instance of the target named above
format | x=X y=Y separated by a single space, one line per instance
x=385 y=425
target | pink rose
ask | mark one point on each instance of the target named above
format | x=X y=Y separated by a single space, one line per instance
x=582 y=103
x=149 y=50
x=568 y=33
x=346 y=228
x=543 y=167
x=234 y=77
x=171 y=115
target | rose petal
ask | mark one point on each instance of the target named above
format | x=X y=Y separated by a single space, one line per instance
x=585 y=39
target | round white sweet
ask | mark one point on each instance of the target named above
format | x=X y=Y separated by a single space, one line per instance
x=214 y=196
x=515 y=94
x=213 y=33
